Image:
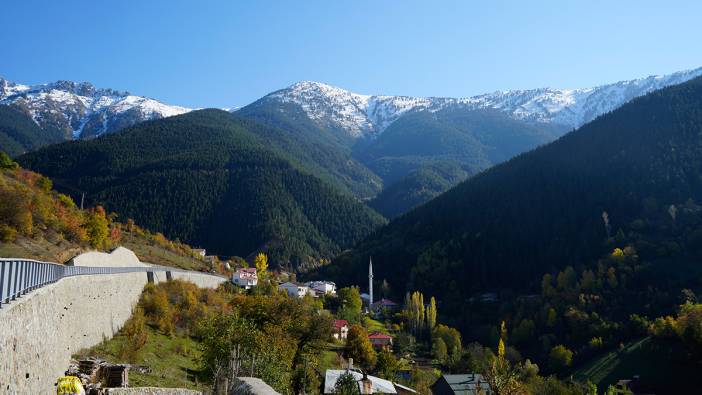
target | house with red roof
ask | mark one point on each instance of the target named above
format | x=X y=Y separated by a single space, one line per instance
x=380 y=341
x=341 y=329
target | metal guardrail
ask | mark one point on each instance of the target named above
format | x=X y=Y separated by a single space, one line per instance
x=21 y=276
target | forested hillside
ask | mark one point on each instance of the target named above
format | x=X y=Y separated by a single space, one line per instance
x=477 y=139
x=19 y=133
x=324 y=149
x=210 y=179
x=37 y=222
x=420 y=155
x=578 y=246
x=631 y=176
x=419 y=186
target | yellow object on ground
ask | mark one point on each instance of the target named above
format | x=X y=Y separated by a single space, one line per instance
x=69 y=385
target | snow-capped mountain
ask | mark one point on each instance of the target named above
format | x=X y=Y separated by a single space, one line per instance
x=79 y=110
x=366 y=115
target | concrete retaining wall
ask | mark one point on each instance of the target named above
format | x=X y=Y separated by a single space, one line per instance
x=40 y=331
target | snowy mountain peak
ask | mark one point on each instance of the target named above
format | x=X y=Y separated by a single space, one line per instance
x=79 y=109
x=366 y=115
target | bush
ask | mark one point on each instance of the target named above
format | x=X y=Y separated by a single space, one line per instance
x=157 y=308
x=135 y=335
x=8 y=234
x=560 y=357
x=6 y=162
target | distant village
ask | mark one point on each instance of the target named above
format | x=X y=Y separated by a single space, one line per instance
x=464 y=384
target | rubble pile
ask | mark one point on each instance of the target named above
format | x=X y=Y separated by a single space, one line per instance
x=96 y=374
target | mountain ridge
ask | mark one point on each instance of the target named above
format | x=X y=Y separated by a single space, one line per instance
x=363 y=115
x=80 y=110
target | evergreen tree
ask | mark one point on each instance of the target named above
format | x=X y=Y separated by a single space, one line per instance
x=346 y=385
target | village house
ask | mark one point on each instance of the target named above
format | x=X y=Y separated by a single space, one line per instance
x=380 y=341
x=199 y=252
x=461 y=384
x=245 y=277
x=384 y=304
x=366 y=384
x=341 y=329
x=294 y=290
x=322 y=287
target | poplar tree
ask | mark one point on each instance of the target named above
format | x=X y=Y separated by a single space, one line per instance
x=261 y=262
x=431 y=314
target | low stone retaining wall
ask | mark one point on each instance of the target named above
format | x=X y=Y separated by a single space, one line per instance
x=41 y=330
x=151 y=391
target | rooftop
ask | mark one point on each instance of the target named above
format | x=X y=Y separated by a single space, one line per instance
x=340 y=323
x=466 y=384
x=378 y=385
x=379 y=335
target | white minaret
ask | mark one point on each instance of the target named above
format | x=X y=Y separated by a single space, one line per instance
x=370 y=281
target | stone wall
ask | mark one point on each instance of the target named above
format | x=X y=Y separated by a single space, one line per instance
x=151 y=391
x=41 y=330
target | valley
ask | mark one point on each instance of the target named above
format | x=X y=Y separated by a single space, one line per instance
x=316 y=240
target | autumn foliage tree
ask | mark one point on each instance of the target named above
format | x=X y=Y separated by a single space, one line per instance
x=261 y=263
x=359 y=347
x=135 y=335
x=97 y=226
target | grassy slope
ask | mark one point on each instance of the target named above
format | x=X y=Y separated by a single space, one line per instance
x=661 y=366
x=153 y=253
x=41 y=248
x=173 y=360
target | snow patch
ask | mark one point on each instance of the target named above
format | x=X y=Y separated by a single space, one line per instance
x=367 y=115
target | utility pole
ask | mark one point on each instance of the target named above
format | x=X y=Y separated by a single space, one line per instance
x=82 y=198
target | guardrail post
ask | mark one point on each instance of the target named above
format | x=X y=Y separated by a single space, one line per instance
x=2 y=283
x=12 y=285
x=42 y=274
x=25 y=271
x=33 y=275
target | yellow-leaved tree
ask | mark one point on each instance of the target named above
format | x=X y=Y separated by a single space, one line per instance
x=261 y=262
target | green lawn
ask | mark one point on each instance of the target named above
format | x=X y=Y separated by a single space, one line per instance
x=173 y=360
x=374 y=325
x=330 y=359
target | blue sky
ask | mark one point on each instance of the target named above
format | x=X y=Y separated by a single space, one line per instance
x=228 y=53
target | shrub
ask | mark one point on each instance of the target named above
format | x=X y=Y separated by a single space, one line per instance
x=8 y=234
x=560 y=357
x=135 y=335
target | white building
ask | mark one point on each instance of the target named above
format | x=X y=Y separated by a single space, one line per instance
x=199 y=252
x=245 y=278
x=295 y=290
x=341 y=329
x=322 y=287
x=366 y=384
